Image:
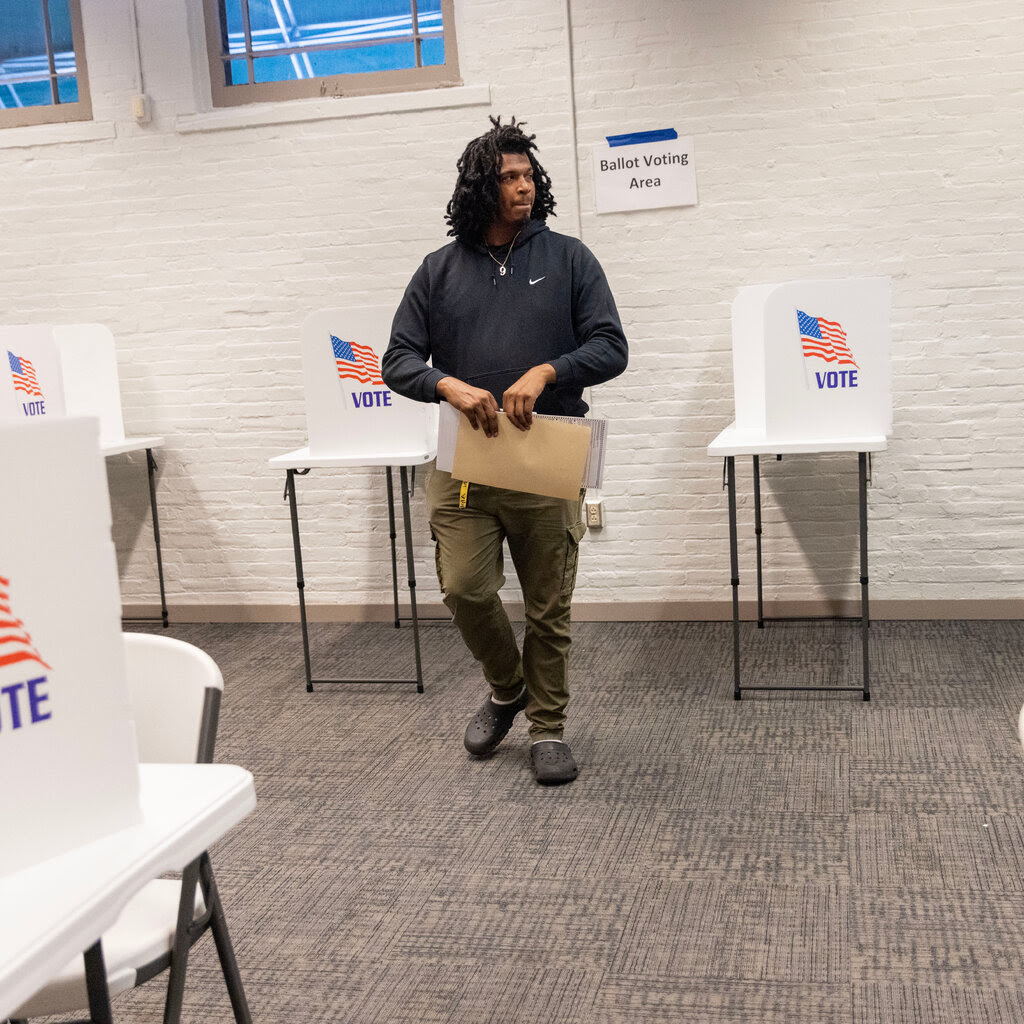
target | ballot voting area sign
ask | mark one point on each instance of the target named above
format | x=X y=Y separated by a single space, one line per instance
x=811 y=360
x=68 y=756
x=644 y=171
x=350 y=411
x=31 y=381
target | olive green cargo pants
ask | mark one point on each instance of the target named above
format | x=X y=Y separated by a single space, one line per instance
x=469 y=523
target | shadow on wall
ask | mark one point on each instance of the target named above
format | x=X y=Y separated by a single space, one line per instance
x=811 y=528
x=128 y=482
x=216 y=551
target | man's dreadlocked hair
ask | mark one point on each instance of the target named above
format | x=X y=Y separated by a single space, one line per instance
x=474 y=204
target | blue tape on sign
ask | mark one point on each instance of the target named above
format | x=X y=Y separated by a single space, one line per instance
x=637 y=138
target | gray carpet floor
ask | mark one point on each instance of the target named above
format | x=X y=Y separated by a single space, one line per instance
x=792 y=858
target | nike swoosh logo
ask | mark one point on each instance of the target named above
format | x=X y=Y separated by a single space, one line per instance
x=538 y=280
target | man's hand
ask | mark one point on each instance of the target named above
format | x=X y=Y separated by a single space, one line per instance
x=478 y=405
x=518 y=401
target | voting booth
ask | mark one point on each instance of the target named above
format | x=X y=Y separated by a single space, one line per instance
x=811 y=360
x=67 y=739
x=71 y=370
x=91 y=386
x=350 y=412
x=65 y=370
x=31 y=381
x=811 y=375
x=354 y=419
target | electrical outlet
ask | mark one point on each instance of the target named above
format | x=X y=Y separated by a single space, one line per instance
x=142 y=108
x=595 y=516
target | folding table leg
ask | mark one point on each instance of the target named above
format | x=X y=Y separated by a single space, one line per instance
x=151 y=468
x=757 y=541
x=729 y=480
x=289 y=491
x=411 y=566
x=394 y=548
x=734 y=565
x=865 y=618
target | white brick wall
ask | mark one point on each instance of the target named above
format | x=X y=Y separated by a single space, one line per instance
x=850 y=138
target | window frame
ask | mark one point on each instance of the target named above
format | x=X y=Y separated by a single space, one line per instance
x=436 y=76
x=57 y=112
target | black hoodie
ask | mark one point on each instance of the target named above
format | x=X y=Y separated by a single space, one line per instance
x=552 y=305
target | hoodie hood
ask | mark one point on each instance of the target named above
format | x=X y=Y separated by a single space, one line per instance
x=529 y=230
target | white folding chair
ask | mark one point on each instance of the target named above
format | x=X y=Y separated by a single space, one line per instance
x=175 y=690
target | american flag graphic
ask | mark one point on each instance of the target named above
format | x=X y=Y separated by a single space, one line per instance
x=15 y=643
x=824 y=339
x=24 y=375
x=356 y=362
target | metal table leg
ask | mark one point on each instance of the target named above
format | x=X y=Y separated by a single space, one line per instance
x=151 y=468
x=289 y=492
x=865 y=620
x=393 y=534
x=757 y=541
x=411 y=566
x=863 y=458
x=734 y=565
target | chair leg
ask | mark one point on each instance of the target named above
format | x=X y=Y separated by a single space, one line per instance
x=225 y=950
x=181 y=945
x=96 y=983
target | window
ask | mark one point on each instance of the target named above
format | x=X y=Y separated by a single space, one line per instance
x=287 y=49
x=42 y=63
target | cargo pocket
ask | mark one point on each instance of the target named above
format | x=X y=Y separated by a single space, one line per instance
x=437 y=560
x=573 y=536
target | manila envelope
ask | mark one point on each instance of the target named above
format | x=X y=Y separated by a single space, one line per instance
x=549 y=458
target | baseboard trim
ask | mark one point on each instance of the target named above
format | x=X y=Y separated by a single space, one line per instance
x=583 y=611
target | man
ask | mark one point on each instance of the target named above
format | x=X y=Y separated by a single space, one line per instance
x=516 y=317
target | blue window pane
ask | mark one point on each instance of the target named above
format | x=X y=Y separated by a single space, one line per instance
x=324 y=22
x=322 y=15
x=24 y=62
x=236 y=30
x=236 y=72
x=331 y=37
x=26 y=94
x=429 y=16
x=321 y=63
x=432 y=51
x=24 y=33
x=360 y=60
x=67 y=89
x=315 y=22
x=274 y=69
x=23 y=53
x=60 y=25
